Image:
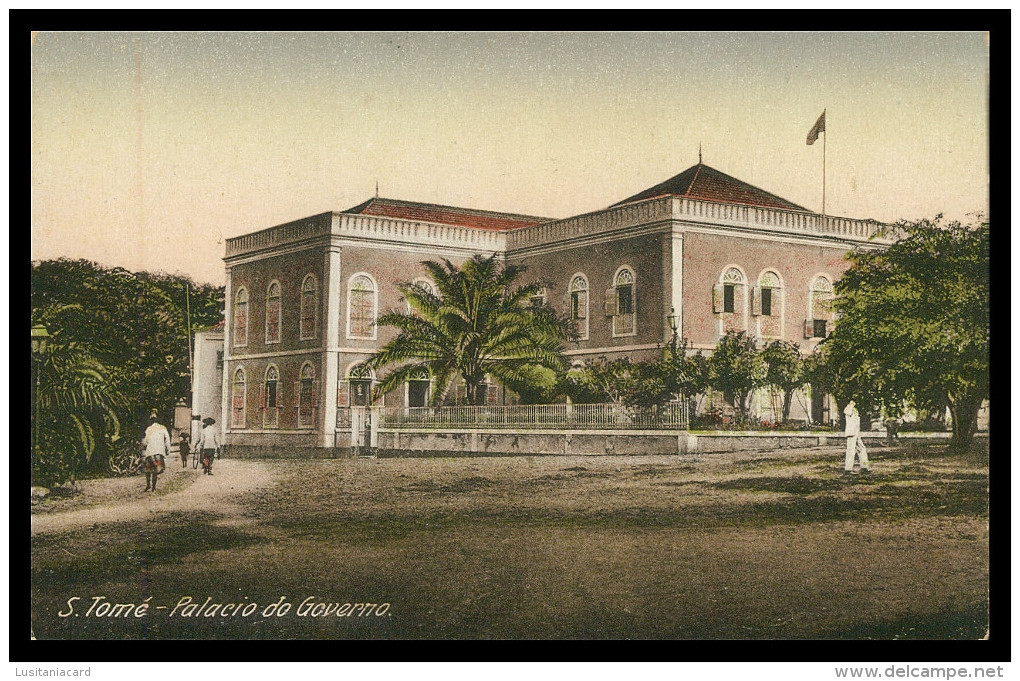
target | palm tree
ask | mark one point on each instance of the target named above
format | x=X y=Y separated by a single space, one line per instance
x=479 y=322
x=77 y=403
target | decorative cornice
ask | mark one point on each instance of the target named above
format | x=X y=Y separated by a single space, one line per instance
x=629 y=219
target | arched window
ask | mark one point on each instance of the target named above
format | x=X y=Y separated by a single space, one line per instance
x=819 y=322
x=418 y=385
x=621 y=303
x=426 y=286
x=238 y=399
x=309 y=307
x=307 y=396
x=360 y=379
x=273 y=312
x=271 y=401
x=361 y=307
x=729 y=300
x=768 y=305
x=241 y=317
x=579 y=305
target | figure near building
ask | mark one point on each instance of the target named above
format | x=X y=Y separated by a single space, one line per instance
x=157 y=448
x=854 y=444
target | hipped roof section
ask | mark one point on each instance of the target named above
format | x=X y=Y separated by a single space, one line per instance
x=708 y=184
x=445 y=215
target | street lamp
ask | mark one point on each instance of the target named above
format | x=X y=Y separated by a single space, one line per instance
x=674 y=323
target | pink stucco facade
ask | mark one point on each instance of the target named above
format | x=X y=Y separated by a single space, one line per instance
x=760 y=268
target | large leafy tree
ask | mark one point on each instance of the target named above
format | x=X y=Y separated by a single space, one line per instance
x=735 y=368
x=685 y=374
x=135 y=326
x=480 y=321
x=75 y=406
x=913 y=325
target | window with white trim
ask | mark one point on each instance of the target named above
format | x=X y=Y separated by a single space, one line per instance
x=273 y=313
x=359 y=380
x=361 y=307
x=729 y=300
x=767 y=305
x=621 y=303
x=427 y=286
x=241 y=317
x=307 y=396
x=820 y=314
x=271 y=399
x=418 y=386
x=579 y=305
x=309 y=307
x=238 y=399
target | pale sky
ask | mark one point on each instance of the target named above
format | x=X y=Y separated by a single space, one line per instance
x=148 y=149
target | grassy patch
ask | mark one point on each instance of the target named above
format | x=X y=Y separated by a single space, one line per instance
x=557 y=547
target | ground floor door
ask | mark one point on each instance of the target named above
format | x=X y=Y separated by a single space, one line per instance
x=417 y=393
x=819 y=406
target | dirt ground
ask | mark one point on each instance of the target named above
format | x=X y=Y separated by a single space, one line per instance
x=771 y=545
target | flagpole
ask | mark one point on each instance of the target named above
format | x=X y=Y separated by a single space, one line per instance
x=824 y=140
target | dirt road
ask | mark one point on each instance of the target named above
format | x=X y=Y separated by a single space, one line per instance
x=195 y=492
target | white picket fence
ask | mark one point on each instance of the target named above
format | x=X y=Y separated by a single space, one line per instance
x=672 y=416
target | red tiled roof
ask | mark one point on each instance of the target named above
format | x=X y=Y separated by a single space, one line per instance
x=445 y=215
x=219 y=326
x=703 y=182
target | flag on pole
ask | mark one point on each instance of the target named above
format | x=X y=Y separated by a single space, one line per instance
x=819 y=126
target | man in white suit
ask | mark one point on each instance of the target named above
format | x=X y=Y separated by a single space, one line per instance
x=854 y=443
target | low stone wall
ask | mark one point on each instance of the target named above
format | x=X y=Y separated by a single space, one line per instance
x=527 y=443
x=471 y=442
x=282 y=452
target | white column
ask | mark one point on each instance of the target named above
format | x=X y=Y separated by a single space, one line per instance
x=331 y=359
x=673 y=279
x=228 y=377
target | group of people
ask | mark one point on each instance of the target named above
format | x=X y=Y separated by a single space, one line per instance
x=156 y=449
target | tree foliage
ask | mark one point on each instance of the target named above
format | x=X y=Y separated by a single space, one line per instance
x=646 y=385
x=75 y=402
x=133 y=325
x=913 y=323
x=686 y=374
x=784 y=371
x=480 y=322
x=735 y=368
x=602 y=380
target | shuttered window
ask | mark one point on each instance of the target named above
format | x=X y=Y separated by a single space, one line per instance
x=309 y=307
x=238 y=398
x=273 y=313
x=307 y=394
x=361 y=307
x=241 y=317
x=625 y=294
x=579 y=304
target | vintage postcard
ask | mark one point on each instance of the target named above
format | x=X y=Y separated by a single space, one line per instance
x=510 y=335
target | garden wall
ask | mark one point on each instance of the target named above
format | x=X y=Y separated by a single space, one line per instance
x=480 y=442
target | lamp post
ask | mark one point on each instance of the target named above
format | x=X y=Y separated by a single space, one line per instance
x=40 y=339
x=674 y=324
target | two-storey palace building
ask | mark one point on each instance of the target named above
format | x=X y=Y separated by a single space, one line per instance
x=715 y=252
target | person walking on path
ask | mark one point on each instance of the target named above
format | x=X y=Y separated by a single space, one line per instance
x=185 y=449
x=208 y=444
x=157 y=448
x=854 y=443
